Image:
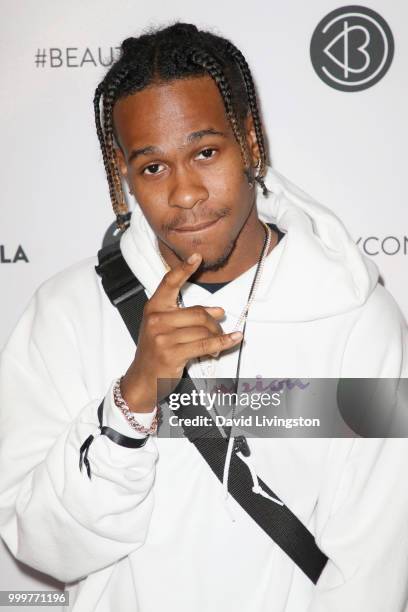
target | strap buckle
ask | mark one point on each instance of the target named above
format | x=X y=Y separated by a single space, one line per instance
x=118 y=280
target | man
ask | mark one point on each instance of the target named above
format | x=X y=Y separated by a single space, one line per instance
x=153 y=528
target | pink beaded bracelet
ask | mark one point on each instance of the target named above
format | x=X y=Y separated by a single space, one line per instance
x=129 y=415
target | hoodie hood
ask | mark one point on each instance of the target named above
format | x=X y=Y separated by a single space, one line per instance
x=315 y=271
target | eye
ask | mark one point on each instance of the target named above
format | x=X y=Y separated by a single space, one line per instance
x=208 y=153
x=153 y=169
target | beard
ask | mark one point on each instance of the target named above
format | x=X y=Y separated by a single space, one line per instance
x=220 y=262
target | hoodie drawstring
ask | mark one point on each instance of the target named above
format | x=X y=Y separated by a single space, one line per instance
x=256 y=488
x=226 y=475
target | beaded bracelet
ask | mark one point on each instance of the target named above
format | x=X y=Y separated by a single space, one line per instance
x=129 y=415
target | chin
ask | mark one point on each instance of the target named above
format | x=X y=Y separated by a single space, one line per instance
x=211 y=259
x=215 y=261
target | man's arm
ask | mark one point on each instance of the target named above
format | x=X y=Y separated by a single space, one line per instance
x=52 y=516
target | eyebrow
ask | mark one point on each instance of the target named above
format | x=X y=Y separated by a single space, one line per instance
x=150 y=149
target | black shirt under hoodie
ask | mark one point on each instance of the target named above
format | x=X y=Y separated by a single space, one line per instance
x=213 y=287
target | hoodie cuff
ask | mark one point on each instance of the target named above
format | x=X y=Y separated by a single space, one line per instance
x=114 y=418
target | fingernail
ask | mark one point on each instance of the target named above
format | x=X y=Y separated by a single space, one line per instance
x=193 y=258
x=236 y=335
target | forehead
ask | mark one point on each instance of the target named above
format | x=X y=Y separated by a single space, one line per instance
x=169 y=110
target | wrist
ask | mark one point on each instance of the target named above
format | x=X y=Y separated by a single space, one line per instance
x=136 y=397
x=129 y=415
x=116 y=418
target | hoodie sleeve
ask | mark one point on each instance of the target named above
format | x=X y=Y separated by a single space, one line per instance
x=52 y=516
x=362 y=516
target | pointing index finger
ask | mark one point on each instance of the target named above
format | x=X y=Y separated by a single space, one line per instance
x=171 y=283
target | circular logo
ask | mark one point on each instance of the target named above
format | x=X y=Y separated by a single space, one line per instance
x=352 y=48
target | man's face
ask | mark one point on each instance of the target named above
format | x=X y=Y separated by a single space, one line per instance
x=184 y=166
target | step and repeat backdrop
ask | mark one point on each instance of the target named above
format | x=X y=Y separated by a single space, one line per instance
x=332 y=80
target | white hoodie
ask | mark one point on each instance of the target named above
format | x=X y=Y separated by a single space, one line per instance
x=152 y=530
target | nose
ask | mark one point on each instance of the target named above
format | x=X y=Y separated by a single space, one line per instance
x=186 y=189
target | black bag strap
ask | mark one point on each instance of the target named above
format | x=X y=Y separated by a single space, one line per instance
x=127 y=294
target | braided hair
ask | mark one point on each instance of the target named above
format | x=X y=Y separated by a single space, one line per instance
x=176 y=52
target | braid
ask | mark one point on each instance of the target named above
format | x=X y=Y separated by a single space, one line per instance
x=101 y=137
x=174 y=52
x=210 y=65
x=253 y=105
x=113 y=174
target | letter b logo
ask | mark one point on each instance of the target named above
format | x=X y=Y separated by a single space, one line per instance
x=352 y=48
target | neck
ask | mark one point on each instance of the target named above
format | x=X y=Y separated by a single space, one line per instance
x=245 y=254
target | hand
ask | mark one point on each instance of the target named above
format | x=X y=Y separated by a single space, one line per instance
x=169 y=337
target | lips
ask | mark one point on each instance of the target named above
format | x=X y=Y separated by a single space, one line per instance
x=196 y=228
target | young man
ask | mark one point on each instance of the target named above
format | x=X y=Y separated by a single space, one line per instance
x=152 y=528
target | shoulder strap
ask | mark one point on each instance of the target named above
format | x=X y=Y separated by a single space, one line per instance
x=127 y=294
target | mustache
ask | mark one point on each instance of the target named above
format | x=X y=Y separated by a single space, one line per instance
x=203 y=218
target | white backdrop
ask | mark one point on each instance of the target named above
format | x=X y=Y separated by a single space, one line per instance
x=348 y=150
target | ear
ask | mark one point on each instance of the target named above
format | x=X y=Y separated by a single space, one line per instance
x=251 y=139
x=120 y=159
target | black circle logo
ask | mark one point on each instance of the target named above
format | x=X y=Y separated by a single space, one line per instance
x=352 y=48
